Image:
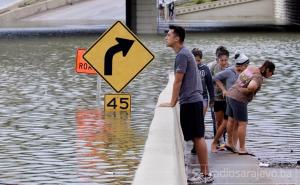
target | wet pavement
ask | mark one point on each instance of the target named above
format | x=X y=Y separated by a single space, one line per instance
x=229 y=168
x=81 y=15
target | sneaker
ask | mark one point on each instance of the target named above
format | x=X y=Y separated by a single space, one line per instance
x=222 y=147
x=201 y=179
x=221 y=141
x=193 y=151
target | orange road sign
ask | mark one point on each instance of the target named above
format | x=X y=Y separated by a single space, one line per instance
x=81 y=65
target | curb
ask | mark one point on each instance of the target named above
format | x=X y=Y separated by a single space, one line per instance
x=52 y=32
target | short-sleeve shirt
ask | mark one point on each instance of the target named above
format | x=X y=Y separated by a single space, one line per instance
x=229 y=75
x=243 y=81
x=218 y=92
x=191 y=87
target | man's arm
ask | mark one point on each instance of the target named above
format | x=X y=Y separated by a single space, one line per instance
x=176 y=88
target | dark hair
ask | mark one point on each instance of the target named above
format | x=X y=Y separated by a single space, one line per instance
x=197 y=52
x=220 y=48
x=179 y=31
x=267 y=65
x=222 y=51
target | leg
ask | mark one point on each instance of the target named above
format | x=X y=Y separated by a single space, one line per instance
x=219 y=133
x=242 y=130
x=240 y=112
x=235 y=132
x=205 y=104
x=204 y=110
x=225 y=130
x=219 y=118
x=224 y=107
x=213 y=120
x=230 y=131
x=201 y=149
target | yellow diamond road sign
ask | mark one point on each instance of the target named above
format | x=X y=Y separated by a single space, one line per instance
x=118 y=56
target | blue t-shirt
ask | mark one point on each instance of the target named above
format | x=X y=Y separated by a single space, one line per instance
x=191 y=87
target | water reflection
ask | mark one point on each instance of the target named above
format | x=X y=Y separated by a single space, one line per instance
x=52 y=130
x=106 y=140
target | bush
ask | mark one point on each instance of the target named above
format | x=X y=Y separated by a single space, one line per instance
x=203 y=1
x=200 y=1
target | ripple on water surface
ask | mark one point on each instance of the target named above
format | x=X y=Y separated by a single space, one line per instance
x=52 y=130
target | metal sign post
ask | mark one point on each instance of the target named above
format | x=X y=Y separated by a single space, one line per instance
x=99 y=81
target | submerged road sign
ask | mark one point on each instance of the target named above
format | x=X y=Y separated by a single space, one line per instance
x=118 y=56
x=81 y=65
x=117 y=102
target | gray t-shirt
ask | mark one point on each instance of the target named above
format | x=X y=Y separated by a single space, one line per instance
x=191 y=87
x=228 y=75
x=215 y=69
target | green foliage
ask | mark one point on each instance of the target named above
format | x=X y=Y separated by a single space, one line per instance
x=199 y=1
x=202 y=1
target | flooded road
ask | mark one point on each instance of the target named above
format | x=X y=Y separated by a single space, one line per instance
x=54 y=132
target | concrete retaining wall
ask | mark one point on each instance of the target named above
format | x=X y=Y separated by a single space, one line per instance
x=280 y=10
x=239 y=10
x=163 y=158
x=146 y=16
x=29 y=10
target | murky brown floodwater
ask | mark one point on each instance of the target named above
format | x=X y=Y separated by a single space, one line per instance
x=53 y=132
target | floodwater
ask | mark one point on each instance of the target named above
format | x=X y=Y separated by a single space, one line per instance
x=53 y=131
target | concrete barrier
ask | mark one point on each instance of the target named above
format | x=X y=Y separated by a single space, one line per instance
x=229 y=10
x=19 y=13
x=163 y=158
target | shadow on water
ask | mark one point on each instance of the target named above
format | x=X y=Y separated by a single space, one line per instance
x=52 y=130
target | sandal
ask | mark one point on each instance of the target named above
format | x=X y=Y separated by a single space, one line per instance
x=231 y=149
x=246 y=153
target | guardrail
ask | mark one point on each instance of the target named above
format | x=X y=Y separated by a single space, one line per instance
x=208 y=5
x=163 y=158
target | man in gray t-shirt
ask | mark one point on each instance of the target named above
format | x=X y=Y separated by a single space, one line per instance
x=187 y=87
x=191 y=87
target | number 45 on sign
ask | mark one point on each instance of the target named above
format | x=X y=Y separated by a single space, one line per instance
x=117 y=102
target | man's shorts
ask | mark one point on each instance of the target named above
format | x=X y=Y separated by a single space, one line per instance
x=237 y=110
x=192 y=120
x=221 y=106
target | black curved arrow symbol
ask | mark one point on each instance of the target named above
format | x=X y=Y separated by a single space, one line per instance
x=123 y=45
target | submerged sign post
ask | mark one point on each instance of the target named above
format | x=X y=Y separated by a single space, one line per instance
x=118 y=56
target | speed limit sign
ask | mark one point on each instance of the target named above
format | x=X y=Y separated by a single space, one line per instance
x=117 y=102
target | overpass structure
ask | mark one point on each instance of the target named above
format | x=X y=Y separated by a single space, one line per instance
x=142 y=16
